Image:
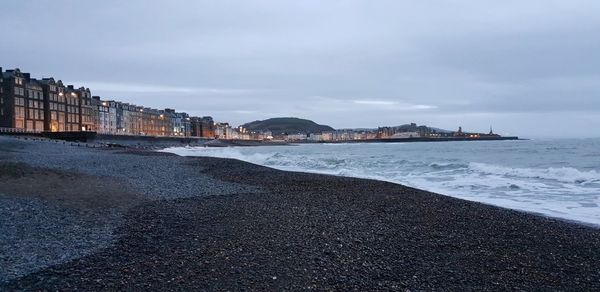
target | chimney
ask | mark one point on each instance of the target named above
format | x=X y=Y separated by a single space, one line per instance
x=27 y=76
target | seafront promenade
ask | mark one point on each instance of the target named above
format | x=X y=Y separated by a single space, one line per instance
x=77 y=218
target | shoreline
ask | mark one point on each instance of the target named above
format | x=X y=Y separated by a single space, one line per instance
x=216 y=223
x=526 y=212
x=382 y=179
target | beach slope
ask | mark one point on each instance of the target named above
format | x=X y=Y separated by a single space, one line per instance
x=162 y=222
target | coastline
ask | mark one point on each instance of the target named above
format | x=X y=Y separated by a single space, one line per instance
x=214 y=223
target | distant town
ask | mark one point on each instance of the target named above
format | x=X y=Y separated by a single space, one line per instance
x=30 y=105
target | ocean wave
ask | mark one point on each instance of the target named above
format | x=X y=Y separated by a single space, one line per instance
x=225 y=152
x=318 y=162
x=447 y=166
x=562 y=174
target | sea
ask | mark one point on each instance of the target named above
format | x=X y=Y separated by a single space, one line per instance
x=553 y=177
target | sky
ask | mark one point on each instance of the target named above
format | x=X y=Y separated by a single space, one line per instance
x=529 y=68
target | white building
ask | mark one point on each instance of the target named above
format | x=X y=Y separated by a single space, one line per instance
x=405 y=135
x=315 y=137
x=296 y=137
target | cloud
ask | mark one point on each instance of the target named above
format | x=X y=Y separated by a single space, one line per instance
x=352 y=63
x=375 y=102
x=394 y=105
x=146 y=88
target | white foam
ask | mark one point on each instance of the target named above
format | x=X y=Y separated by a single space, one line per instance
x=563 y=174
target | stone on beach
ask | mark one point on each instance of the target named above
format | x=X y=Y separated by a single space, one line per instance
x=174 y=223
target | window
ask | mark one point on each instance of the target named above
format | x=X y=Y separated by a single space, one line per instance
x=19 y=112
x=19 y=91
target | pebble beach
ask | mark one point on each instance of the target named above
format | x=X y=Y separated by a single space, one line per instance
x=78 y=218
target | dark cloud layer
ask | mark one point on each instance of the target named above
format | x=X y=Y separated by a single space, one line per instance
x=527 y=67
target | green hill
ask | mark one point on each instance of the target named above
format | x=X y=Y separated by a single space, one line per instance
x=286 y=125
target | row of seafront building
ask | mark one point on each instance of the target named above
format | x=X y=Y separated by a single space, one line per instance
x=37 y=105
x=225 y=131
x=409 y=131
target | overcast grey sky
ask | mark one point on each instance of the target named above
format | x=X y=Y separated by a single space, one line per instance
x=530 y=68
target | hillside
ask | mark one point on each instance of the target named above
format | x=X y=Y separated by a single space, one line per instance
x=414 y=128
x=287 y=125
